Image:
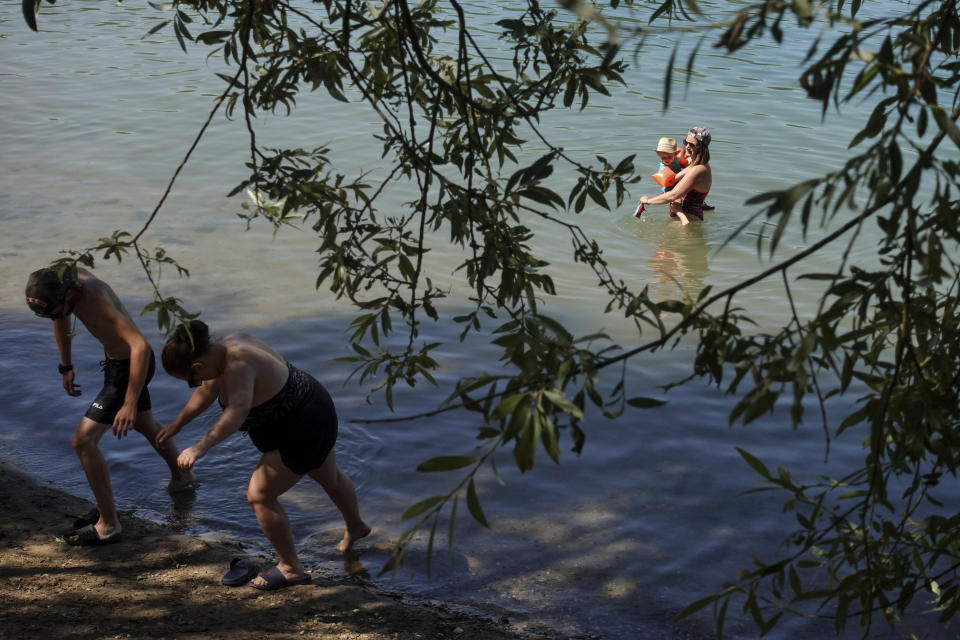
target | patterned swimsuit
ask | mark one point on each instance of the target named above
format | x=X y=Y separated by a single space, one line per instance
x=691 y=204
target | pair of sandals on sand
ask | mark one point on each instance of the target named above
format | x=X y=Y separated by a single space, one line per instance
x=242 y=571
x=84 y=534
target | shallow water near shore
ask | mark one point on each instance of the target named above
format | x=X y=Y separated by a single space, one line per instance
x=612 y=543
x=607 y=544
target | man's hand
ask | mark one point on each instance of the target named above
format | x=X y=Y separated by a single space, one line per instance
x=189 y=456
x=69 y=386
x=124 y=420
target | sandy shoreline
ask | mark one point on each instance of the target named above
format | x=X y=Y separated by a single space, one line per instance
x=159 y=584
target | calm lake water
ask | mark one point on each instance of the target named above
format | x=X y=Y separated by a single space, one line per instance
x=610 y=544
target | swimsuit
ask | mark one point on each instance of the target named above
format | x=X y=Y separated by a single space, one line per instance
x=116 y=376
x=691 y=204
x=300 y=421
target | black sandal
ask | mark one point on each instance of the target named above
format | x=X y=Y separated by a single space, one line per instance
x=88 y=537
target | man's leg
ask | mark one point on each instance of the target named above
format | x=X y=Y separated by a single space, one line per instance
x=269 y=481
x=180 y=479
x=341 y=491
x=85 y=440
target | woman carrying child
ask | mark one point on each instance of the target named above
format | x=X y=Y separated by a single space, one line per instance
x=687 y=196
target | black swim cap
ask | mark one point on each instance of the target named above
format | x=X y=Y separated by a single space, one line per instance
x=46 y=290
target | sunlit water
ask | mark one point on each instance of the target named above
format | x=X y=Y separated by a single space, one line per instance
x=612 y=543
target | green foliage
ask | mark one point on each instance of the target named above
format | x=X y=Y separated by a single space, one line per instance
x=866 y=545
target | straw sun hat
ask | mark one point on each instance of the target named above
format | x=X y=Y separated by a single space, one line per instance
x=666 y=145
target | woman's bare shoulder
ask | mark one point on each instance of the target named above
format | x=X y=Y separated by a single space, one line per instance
x=237 y=337
x=245 y=346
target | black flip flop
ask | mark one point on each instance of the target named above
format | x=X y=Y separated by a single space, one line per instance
x=92 y=517
x=240 y=573
x=275 y=580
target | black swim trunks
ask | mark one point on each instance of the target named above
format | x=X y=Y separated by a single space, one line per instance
x=300 y=421
x=116 y=375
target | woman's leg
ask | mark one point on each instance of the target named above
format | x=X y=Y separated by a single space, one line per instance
x=341 y=491
x=269 y=481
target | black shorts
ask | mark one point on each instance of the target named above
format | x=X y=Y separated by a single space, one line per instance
x=116 y=375
x=309 y=437
x=300 y=422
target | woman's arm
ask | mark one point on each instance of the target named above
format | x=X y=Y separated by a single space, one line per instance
x=237 y=379
x=687 y=179
x=200 y=401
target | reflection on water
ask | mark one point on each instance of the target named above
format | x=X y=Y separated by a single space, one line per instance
x=352 y=566
x=181 y=518
x=679 y=261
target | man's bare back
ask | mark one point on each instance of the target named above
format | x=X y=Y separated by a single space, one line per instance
x=104 y=316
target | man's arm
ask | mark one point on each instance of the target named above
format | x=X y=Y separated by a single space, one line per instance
x=139 y=364
x=61 y=333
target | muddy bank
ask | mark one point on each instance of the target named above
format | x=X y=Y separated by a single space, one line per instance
x=159 y=584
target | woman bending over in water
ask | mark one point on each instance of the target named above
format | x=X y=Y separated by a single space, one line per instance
x=289 y=417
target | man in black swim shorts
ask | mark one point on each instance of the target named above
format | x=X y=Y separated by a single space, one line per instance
x=116 y=379
x=124 y=401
